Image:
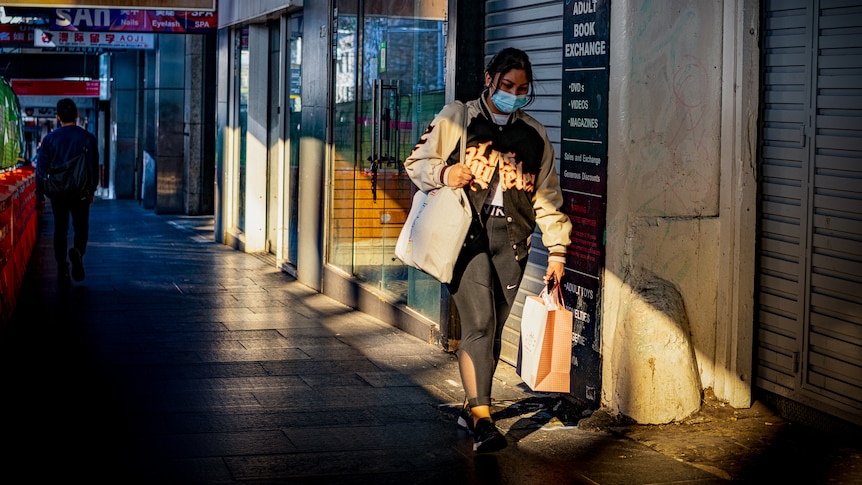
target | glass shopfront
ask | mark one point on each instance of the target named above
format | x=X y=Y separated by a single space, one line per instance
x=388 y=85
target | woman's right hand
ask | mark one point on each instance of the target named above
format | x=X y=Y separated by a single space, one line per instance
x=459 y=175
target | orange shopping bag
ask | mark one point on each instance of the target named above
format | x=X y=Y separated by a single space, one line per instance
x=545 y=352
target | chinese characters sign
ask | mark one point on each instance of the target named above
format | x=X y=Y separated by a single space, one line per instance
x=583 y=174
x=108 y=40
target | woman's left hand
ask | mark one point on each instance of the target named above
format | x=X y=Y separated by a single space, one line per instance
x=555 y=270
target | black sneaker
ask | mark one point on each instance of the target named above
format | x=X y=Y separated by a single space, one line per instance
x=77 y=264
x=465 y=421
x=488 y=437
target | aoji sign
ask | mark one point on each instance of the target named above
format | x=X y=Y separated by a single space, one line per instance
x=55 y=87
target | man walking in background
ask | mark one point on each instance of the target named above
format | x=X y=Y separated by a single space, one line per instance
x=67 y=169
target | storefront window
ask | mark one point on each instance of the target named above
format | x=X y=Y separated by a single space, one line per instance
x=294 y=116
x=389 y=83
x=242 y=127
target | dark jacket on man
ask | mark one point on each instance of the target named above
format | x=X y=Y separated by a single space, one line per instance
x=65 y=143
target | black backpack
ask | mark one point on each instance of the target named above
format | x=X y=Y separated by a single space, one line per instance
x=69 y=179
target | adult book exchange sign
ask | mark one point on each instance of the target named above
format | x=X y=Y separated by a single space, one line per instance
x=583 y=176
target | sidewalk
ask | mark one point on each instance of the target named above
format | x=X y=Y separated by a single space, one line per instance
x=180 y=360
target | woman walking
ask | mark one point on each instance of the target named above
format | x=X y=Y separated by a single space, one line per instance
x=509 y=175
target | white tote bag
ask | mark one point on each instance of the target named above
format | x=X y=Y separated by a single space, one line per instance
x=436 y=226
x=434 y=232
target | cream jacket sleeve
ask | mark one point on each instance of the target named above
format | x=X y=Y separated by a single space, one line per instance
x=428 y=159
x=555 y=225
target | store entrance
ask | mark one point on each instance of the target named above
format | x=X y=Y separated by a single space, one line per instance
x=388 y=85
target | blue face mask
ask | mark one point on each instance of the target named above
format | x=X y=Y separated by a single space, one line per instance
x=508 y=102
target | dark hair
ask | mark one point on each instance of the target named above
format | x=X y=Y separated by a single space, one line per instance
x=512 y=58
x=67 y=110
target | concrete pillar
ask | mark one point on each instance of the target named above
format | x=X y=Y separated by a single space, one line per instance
x=169 y=138
x=312 y=147
x=125 y=117
x=681 y=187
x=199 y=119
x=148 y=132
x=193 y=118
x=221 y=151
x=256 y=160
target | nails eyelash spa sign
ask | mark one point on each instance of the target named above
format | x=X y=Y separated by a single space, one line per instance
x=583 y=176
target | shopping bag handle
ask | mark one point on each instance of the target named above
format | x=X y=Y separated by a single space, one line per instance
x=553 y=290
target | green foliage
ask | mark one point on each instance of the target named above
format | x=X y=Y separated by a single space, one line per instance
x=11 y=127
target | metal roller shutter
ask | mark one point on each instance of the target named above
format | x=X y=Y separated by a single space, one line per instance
x=809 y=323
x=535 y=27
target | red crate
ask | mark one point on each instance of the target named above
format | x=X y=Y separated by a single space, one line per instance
x=17 y=233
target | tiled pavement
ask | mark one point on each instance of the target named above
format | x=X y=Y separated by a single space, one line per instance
x=180 y=360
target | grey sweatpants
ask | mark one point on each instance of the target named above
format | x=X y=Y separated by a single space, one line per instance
x=483 y=289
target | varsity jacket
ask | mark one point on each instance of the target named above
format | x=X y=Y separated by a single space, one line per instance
x=518 y=152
